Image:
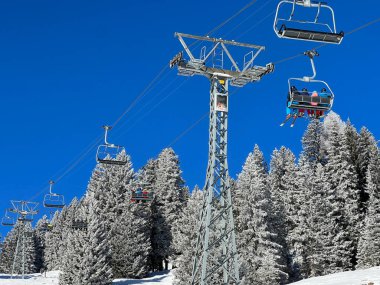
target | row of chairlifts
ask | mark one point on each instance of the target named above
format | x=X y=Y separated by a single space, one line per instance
x=319 y=28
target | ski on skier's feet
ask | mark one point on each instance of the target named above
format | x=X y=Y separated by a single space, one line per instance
x=284 y=122
x=294 y=121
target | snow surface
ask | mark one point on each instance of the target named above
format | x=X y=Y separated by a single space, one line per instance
x=164 y=278
x=358 y=277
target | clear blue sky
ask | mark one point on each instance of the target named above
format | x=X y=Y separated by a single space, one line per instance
x=68 y=67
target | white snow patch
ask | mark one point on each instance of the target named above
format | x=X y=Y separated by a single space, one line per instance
x=163 y=278
x=31 y=279
x=357 y=277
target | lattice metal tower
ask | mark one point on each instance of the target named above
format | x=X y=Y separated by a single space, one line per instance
x=25 y=211
x=215 y=258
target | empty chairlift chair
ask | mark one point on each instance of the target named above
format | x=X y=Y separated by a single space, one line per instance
x=109 y=153
x=7 y=220
x=320 y=27
x=53 y=200
x=316 y=96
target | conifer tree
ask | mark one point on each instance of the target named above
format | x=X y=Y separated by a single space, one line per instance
x=343 y=197
x=278 y=194
x=39 y=241
x=258 y=251
x=53 y=242
x=365 y=143
x=185 y=237
x=167 y=205
x=72 y=261
x=369 y=244
x=7 y=253
x=97 y=263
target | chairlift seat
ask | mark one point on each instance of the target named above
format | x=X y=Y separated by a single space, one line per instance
x=109 y=154
x=310 y=35
x=25 y=219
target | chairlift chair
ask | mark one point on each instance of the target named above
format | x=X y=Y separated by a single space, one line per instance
x=53 y=200
x=140 y=195
x=7 y=220
x=25 y=218
x=306 y=100
x=79 y=225
x=307 y=30
x=109 y=153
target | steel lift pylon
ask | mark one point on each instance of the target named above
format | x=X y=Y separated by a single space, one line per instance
x=215 y=257
x=26 y=211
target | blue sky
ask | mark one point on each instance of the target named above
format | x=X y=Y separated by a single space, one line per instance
x=68 y=67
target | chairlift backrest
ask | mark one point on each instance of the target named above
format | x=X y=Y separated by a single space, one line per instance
x=110 y=154
x=292 y=26
x=311 y=99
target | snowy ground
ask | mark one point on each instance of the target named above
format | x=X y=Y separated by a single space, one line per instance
x=358 y=277
x=165 y=278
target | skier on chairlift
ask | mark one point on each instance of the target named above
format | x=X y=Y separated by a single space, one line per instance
x=301 y=112
x=291 y=112
x=312 y=113
x=323 y=94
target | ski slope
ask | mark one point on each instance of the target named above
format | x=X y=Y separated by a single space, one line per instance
x=51 y=278
x=358 y=277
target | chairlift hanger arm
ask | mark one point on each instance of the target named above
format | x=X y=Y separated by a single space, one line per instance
x=311 y=54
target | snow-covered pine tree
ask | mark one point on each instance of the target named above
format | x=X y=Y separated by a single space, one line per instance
x=7 y=253
x=311 y=144
x=72 y=260
x=53 y=242
x=97 y=262
x=369 y=244
x=366 y=142
x=319 y=225
x=132 y=258
x=185 y=237
x=343 y=196
x=129 y=223
x=258 y=251
x=39 y=241
x=278 y=194
x=167 y=205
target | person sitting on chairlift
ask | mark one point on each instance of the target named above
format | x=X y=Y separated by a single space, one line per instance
x=291 y=112
x=312 y=113
x=301 y=112
x=323 y=94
